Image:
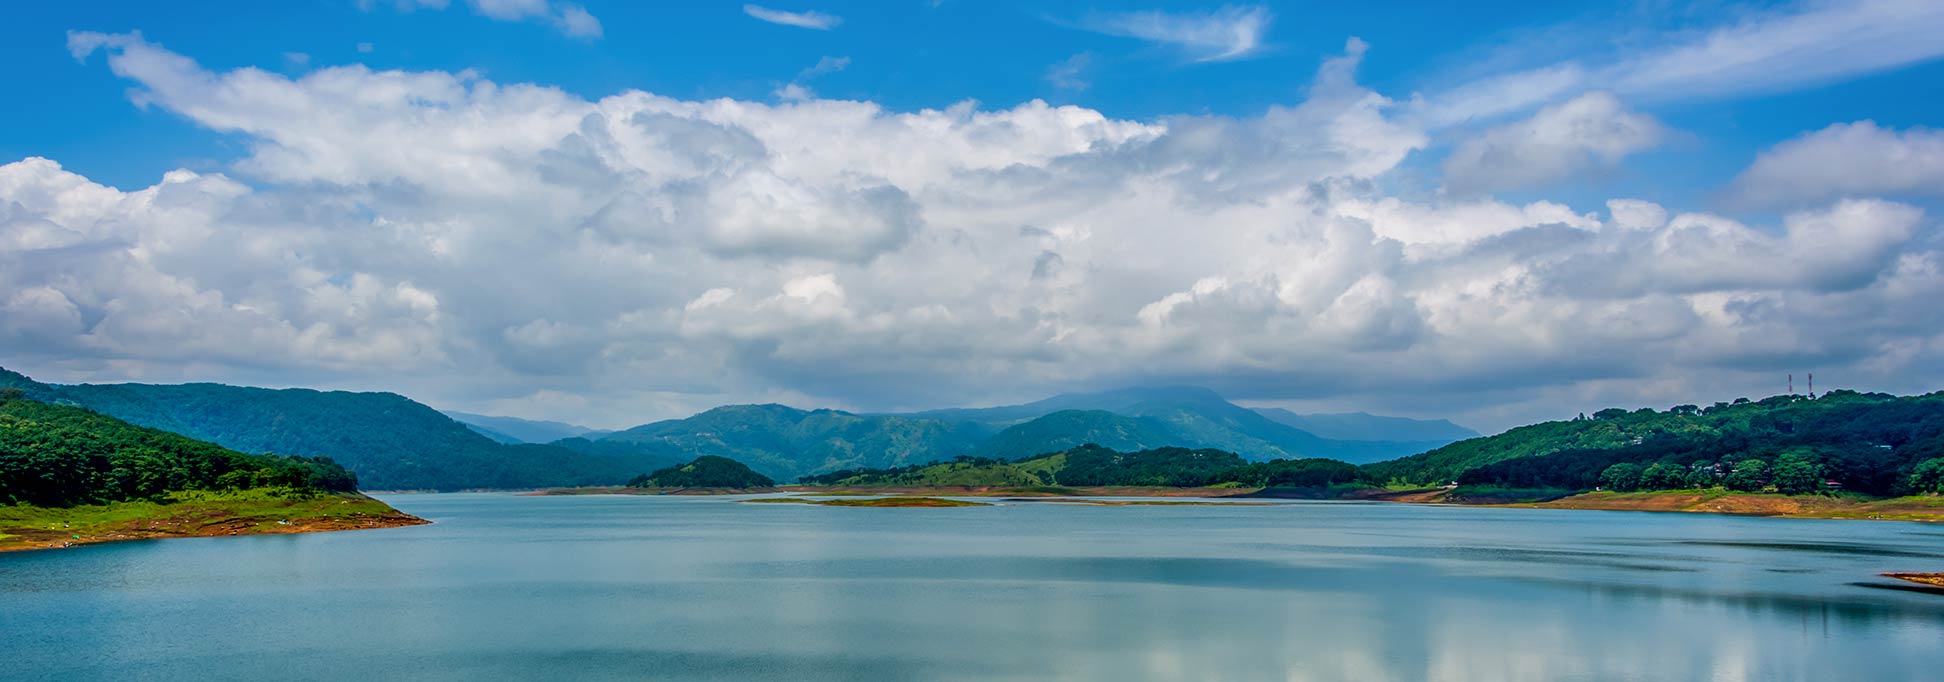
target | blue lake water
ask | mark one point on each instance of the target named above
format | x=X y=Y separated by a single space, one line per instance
x=503 y=587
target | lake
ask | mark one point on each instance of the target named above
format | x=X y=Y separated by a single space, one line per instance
x=504 y=587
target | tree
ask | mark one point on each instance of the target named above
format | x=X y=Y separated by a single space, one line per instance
x=1750 y=475
x=1795 y=474
x=1610 y=413
x=1928 y=476
x=1664 y=476
x=1701 y=475
x=1622 y=477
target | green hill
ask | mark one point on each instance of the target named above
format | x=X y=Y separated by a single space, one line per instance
x=1068 y=429
x=785 y=442
x=60 y=456
x=392 y=442
x=395 y=443
x=707 y=471
x=1093 y=465
x=1865 y=442
x=1180 y=416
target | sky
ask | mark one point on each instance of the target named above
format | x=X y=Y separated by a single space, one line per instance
x=610 y=213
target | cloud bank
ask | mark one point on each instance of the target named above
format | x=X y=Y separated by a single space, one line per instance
x=513 y=248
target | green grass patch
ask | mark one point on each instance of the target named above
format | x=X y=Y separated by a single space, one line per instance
x=185 y=513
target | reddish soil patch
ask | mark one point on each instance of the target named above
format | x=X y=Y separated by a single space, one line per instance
x=1932 y=579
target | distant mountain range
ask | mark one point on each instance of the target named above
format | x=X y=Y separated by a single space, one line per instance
x=1365 y=426
x=514 y=430
x=785 y=443
x=391 y=442
x=395 y=443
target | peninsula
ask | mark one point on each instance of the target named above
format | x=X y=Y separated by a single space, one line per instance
x=69 y=476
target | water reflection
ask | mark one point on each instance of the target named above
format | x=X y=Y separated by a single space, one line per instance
x=518 y=588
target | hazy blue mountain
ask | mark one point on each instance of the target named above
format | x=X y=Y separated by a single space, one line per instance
x=390 y=441
x=1366 y=426
x=784 y=442
x=395 y=443
x=1191 y=417
x=33 y=390
x=1068 y=429
x=1136 y=401
x=517 y=430
x=495 y=436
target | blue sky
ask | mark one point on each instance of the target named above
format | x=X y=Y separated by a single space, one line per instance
x=904 y=55
x=1178 y=204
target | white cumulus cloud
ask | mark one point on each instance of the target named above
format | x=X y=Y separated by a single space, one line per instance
x=1846 y=159
x=1589 y=132
x=491 y=246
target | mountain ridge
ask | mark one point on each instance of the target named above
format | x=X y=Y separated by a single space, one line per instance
x=519 y=430
x=390 y=441
x=786 y=442
x=394 y=442
x=1366 y=426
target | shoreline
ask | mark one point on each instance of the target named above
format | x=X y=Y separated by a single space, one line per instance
x=905 y=491
x=25 y=529
x=1918 y=509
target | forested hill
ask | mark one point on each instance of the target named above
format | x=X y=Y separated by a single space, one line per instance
x=785 y=442
x=1867 y=442
x=29 y=388
x=1192 y=417
x=707 y=471
x=391 y=442
x=1093 y=465
x=58 y=456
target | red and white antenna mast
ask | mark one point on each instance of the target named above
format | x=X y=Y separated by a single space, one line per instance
x=1812 y=384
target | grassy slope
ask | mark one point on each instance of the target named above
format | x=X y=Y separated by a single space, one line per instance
x=191 y=514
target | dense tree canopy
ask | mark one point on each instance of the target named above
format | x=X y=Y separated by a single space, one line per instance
x=1094 y=465
x=54 y=455
x=707 y=471
x=1870 y=443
